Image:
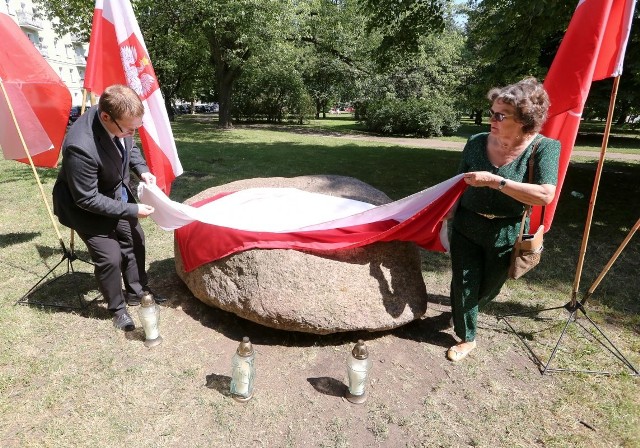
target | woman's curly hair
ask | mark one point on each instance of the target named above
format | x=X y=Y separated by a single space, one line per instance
x=529 y=99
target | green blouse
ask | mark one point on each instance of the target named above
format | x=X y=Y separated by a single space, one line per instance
x=491 y=201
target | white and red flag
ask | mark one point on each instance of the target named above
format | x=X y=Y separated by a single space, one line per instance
x=118 y=55
x=287 y=218
x=592 y=49
x=34 y=102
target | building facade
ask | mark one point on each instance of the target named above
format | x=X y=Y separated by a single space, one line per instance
x=67 y=54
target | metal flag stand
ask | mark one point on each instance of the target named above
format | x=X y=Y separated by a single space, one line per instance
x=574 y=306
x=68 y=255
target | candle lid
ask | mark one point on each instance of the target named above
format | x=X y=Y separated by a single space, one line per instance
x=360 y=350
x=147 y=300
x=245 y=348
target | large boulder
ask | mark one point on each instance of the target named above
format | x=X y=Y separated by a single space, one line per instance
x=376 y=287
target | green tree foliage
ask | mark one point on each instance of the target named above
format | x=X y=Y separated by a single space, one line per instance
x=336 y=51
x=511 y=39
x=271 y=88
x=70 y=16
x=179 y=50
x=418 y=94
x=235 y=31
x=401 y=23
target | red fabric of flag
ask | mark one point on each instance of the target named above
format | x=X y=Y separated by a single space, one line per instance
x=201 y=242
x=118 y=55
x=34 y=102
x=592 y=49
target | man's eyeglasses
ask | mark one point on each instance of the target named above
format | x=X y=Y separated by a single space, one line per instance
x=130 y=131
x=498 y=116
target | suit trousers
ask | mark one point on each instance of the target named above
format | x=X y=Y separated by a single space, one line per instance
x=114 y=258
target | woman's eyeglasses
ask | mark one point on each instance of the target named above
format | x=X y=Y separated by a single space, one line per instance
x=498 y=116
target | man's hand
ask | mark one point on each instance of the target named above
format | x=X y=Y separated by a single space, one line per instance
x=148 y=178
x=144 y=210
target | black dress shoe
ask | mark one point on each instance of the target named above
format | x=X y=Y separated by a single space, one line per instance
x=157 y=297
x=124 y=322
x=132 y=299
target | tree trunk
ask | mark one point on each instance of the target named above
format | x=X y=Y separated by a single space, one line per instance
x=225 y=87
x=623 y=112
x=478 y=115
x=170 y=110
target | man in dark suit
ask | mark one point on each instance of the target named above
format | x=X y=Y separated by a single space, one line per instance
x=92 y=196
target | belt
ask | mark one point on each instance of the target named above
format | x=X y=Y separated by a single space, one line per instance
x=489 y=216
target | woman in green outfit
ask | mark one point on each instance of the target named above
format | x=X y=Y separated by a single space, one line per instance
x=487 y=220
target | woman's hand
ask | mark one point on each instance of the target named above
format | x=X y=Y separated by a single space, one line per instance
x=482 y=179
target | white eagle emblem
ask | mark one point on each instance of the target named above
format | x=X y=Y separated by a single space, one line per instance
x=141 y=82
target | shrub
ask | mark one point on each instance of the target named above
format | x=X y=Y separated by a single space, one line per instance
x=426 y=117
x=274 y=92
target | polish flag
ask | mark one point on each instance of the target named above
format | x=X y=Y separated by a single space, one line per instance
x=287 y=218
x=118 y=55
x=592 y=49
x=34 y=102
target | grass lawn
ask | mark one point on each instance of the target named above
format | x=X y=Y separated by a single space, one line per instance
x=67 y=378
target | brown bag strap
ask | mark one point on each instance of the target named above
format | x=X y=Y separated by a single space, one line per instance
x=527 y=210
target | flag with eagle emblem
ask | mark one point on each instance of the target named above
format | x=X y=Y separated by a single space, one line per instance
x=118 y=55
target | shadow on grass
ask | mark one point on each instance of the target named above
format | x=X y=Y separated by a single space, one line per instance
x=10 y=239
x=328 y=386
x=221 y=383
x=67 y=291
x=430 y=330
x=498 y=309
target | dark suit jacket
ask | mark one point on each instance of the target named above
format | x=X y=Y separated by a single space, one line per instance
x=86 y=195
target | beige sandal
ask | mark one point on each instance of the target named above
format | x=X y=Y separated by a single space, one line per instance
x=457 y=353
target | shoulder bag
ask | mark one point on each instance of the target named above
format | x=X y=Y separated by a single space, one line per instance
x=529 y=246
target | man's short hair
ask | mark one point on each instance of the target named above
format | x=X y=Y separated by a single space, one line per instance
x=120 y=101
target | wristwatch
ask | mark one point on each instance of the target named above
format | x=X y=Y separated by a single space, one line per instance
x=502 y=183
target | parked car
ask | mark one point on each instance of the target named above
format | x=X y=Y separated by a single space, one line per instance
x=184 y=109
x=74 y=113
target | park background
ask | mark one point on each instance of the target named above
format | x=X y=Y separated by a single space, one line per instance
x=68 y=379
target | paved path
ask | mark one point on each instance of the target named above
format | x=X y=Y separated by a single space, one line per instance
x=434 y=143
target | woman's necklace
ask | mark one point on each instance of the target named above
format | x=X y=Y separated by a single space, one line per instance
x=501 y=154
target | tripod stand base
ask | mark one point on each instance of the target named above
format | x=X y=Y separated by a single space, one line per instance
x=47 y=283
x=572 y=308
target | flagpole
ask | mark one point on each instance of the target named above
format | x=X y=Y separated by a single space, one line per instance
x=33 y=168
x=84 y=101
x=594 y=191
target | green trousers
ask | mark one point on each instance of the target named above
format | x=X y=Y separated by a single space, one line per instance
x=480 y=254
